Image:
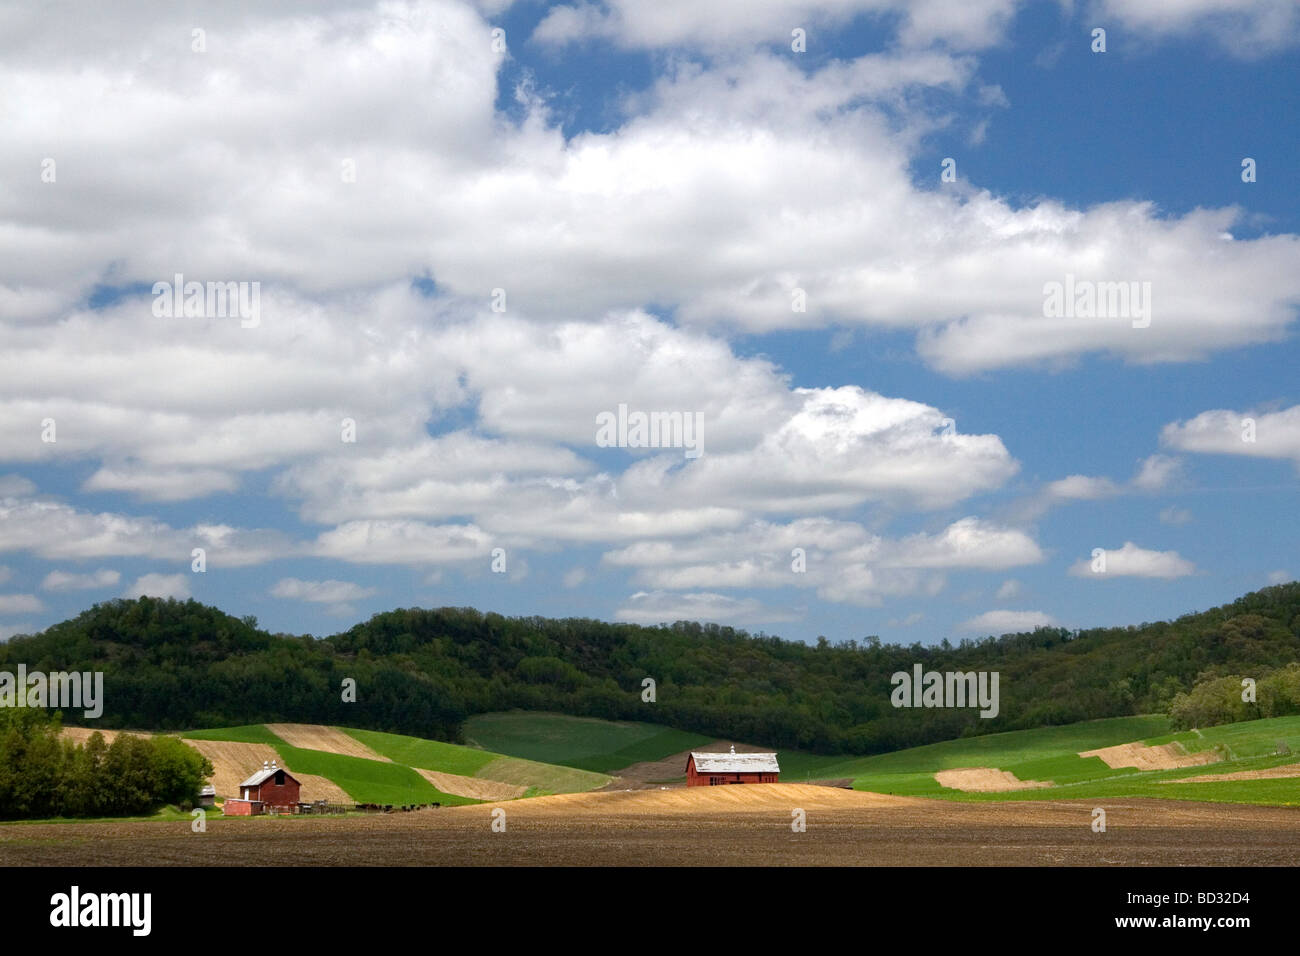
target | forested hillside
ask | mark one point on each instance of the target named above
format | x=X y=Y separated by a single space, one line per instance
x=175 y=665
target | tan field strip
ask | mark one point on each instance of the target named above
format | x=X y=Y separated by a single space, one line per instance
x=527 y=773
x=474 y=787
x=779 y=798
x=320 y=737
x=82 y=735
x=320 y=788
x=985 y=780
x=1159 y=757
x=1272 y=773
x=234 y=763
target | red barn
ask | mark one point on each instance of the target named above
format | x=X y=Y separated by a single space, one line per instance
x=711 y=770
x=271 y=786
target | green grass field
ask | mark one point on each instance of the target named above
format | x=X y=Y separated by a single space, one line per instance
x=1043 y=754
x=1042 y=750
x=554 y=753
x=168 y=813
x=248 y=734
x=586 y=743
x=540 y=778
x=1051 y=754
x=429 y=754
x=369 y=781
x=398 y=783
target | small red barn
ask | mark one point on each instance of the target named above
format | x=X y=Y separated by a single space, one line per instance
x=711 y=770
x=271 y=787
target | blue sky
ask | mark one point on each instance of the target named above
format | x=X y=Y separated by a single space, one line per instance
x=648 y=187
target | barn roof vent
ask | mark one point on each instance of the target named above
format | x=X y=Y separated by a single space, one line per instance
x=265 y=764
x=733 y=748
x=273 y=766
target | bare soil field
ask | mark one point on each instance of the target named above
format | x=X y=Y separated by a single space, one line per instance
x=1160 y=757
x=1272 y=773
x=738 y=825
x=320 y=737
x=985 y=780
x=474 y=787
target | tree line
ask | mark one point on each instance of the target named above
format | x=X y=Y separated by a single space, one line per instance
x=173 y=665
x=1234 y=697
x=45 y=775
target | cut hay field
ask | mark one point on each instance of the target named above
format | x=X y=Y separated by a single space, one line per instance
x=371 y=767
x=480 y=765
x=342 y=765
x=234 y=761
x=369 y=781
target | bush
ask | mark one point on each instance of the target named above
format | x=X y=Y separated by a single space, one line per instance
x=42 y=775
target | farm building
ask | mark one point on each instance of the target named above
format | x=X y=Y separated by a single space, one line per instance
x=208 y=796
x=271 y=788
x=711 y=770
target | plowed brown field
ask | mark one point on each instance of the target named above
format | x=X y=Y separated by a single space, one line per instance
x=738 y=825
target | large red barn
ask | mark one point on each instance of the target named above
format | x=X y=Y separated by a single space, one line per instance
x=271 y=787
x=711 y=770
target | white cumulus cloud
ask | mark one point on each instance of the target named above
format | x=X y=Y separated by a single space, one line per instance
x=1007 y=622
x=160 y=586
x=1132 y=561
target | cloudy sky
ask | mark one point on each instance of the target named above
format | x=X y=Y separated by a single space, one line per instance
x=828 y=231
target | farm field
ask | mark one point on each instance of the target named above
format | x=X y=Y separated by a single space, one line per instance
x=344 y=765
x=586 y=743
x=1220 y=796
x=747 y=825
x=480 y=765
x=373 y=767
x=1040 y=764
x=1127 y=757
x=1053 y=755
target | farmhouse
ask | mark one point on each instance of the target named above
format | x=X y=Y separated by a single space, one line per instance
x=271 y=788
x=711 y=770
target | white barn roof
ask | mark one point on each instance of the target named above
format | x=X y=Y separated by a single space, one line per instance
x=265 y=773
x=735 y=763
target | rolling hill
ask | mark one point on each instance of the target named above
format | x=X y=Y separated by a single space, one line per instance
x=1249 y=762
x=424 y=673
x=344 y=765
